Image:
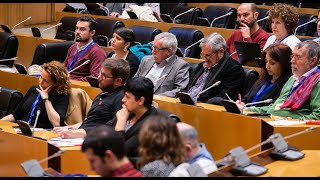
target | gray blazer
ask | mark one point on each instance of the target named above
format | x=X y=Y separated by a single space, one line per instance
x=177 y=71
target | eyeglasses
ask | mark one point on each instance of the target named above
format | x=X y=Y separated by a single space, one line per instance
x=296 y=57
x=158 y=49
x=104 y=76
x=206 y=56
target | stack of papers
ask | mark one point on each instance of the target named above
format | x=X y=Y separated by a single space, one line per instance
x=285 y=122
x=59 y=142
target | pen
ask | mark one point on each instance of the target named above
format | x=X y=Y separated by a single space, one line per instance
x=239 y=97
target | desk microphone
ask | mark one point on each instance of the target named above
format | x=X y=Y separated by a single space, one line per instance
x=59 y=24
x=311 y=21
x=213 y=85
x=267 y=17
x=104 y=8
x=228 y=14
x=35 y=123
x=21 y=23
x=10 y=59
x=259 y=102
x=190 y=10
x=84 y=63
x=33 y=168
x=233 y=53
x=185 y=51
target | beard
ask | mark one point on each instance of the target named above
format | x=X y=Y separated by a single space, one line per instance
x=250 y=25
x=107 y=88
x=80 y=39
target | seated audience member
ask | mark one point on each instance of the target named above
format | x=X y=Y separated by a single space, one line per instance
x=161 y=148
x=115 y=9
x=217 y=66
x=299 y=97
x=137 y=106
x=168 y=72
x=318 y=29
x=122 y=39
x=276 y=72
x=284 y=20
x=249 y=30
x=84 y=49
x=196 y=152
x=50 y=98
x=113 y=75
x=104 y=149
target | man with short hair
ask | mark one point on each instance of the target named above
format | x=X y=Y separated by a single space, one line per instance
x=300 y=96
x=105 y=151
x=114 y=74
x=217 y=66
x=84 y=49
x=249 y=30
x=168 y=72
x=196 y=152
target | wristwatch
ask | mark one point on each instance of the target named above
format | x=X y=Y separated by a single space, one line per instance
x=45 y=99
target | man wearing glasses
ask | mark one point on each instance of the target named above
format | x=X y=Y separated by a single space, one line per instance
x=113 y=75
x=168 y=72
x=217 y=66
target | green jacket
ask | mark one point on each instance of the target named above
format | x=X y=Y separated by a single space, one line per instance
x=310 y=110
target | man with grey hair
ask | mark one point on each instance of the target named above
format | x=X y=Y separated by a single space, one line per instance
x=168 y=72
x=217 y=66
x=249 y=30
x=300 y=96
x=318 y=29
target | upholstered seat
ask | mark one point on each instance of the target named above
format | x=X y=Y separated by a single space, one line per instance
x=145 y=34
x=186 y=18
x=105 y=28
x=9 y=99
x=250 y=78
x=68 y=26
x=8 y=48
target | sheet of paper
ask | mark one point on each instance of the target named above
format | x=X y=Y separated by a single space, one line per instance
x=66 y=142
x=284 y=122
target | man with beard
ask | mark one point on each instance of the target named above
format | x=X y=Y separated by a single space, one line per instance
x=249 y=30
x=114 y=74
x=84 y=49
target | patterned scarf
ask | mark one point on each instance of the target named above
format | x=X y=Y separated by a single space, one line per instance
x=297 y=99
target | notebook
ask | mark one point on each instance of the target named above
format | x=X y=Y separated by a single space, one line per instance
x=248 y=53
x=185 y=98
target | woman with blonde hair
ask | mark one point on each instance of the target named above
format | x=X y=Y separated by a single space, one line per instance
x=161 y=148
x=50 y=98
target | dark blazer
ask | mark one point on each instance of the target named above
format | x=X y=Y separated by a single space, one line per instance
x=273 y=93
x=132 y=60
x=131 y=136
x=229 y=72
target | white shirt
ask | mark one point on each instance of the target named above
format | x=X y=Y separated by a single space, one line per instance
x=291 y=41
x=156 y=71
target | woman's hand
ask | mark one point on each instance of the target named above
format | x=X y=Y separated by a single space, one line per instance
x=44 y=92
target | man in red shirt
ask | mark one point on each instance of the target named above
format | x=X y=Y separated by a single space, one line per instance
x=105 y=151
x=249 y=30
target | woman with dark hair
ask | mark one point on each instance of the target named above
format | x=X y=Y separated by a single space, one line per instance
x=50 y=98
x=284 y=20
x=276 y=72
x=122 y=39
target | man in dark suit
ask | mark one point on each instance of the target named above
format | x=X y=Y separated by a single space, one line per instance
x=168 y=72
x=217 y=66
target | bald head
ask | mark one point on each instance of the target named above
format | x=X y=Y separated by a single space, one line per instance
x=188 y=134
x=183 y=126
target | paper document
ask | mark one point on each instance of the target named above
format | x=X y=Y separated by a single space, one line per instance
x=66 y=142
x=284 y=122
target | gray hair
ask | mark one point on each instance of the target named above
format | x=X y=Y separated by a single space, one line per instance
x=312 y=47
x=215 y=41
x=169 y=41
x=190 y=135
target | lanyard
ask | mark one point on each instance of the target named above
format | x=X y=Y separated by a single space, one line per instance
x=34 y=105
x=77 y=57
x=292 y=89
x=265 y=88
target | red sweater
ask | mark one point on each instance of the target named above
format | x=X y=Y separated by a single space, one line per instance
x=259 y=37
x=95 y=54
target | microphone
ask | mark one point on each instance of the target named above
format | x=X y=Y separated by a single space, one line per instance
x=228 y=14
x=213 y=85
x=21 y=23
x=185 y=51
x=59 y=24
x=10 y=59
x=104 y=8
x=267 y=17
x=35 y=123
x=190 y=10
x=33 y=168
x=313 y=20
x=233 y=53
x=84 y=63
x=259 y=102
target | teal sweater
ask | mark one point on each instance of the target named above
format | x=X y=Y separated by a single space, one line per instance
x=310 y=110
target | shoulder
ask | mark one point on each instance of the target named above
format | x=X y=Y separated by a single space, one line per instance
x=158 y=168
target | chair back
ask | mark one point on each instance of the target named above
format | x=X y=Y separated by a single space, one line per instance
x=68 y=25
x=166 y=8
x=251 y=76
x=187 y=18
x=263 y=24
x=308 y=29
x=105 y=28
x=187 y=37
x=47 y=52
x=213 y=12
x=9 y=99
x=8 y=48
x=145 y=34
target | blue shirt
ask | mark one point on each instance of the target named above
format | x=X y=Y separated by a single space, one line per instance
x=203 y=153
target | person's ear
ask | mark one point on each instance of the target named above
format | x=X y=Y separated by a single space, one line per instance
x=141 y=100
